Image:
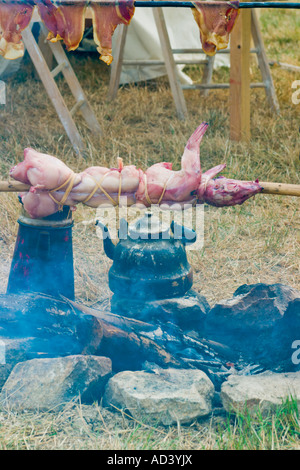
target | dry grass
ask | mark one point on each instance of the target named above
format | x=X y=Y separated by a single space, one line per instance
x=92 y=427
x=256 y=242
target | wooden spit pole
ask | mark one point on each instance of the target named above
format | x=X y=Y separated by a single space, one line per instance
x=280 y=189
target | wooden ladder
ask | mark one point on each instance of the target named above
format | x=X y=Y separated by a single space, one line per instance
x=247 y=26
x=41 y=55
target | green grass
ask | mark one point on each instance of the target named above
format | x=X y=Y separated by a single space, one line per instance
x=254 y=431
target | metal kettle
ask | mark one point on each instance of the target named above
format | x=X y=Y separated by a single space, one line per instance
x=150 y=262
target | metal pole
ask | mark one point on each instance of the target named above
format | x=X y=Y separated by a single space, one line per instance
x=169 y=3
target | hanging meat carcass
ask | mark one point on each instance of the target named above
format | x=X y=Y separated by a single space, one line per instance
x=215 y=21
x=105 y=20
x=66 y=22
x=14 y=18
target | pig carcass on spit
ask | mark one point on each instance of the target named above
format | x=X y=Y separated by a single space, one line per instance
x=53 y=184
x=161 y=185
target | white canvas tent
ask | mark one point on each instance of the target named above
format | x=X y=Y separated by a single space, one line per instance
x=142 y=43
x=8 y=67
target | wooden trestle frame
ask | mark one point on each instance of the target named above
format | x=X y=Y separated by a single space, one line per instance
x=41 y=53
x=239 y=95
x=247 y=26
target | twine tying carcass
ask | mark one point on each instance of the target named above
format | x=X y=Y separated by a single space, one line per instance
x=98 y=186
x=70 y=181
x=162 y=194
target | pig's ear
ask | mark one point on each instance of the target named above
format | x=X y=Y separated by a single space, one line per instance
x=212 y=173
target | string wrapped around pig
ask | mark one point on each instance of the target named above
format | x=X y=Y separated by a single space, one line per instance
x=52 y=184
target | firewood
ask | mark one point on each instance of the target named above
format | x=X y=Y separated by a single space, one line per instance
x=128 y=351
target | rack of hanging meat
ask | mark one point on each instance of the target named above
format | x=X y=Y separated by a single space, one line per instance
x=65 y=20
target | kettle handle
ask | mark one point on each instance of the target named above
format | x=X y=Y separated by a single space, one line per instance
x=123 y=229
x=186 y=235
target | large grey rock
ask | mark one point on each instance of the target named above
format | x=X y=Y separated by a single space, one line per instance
x=165 y=396
x=49 y=383
x=248 y=320
x=252 y=307
x=12 y=351
x=285 y=336
x=263 y=392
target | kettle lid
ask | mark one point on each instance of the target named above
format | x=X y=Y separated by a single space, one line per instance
x=147 y=227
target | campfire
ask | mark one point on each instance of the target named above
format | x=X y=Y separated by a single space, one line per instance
x=154 y=320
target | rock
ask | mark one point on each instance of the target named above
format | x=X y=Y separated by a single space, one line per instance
x=167 y=396
x=247 y=320
x=263 y=392
x=188 y=311
x=12 y=351
x=252 y=307
x=286 y=334
x=48 y=383
x=291 y=318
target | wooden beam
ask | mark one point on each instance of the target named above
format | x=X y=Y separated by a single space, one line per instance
x=170 y=63
x=116 y=66
x=263 y=63
x=239 y=96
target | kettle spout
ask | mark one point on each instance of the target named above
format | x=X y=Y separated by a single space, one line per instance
x=186 y=235
x=108 y=245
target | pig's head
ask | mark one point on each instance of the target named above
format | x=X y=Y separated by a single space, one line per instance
x=223 y=191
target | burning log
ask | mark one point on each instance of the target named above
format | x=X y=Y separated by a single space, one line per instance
x=59 y=327
x=119 y=321
x=133 y=344
x=130 y=351
x=125 y=342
